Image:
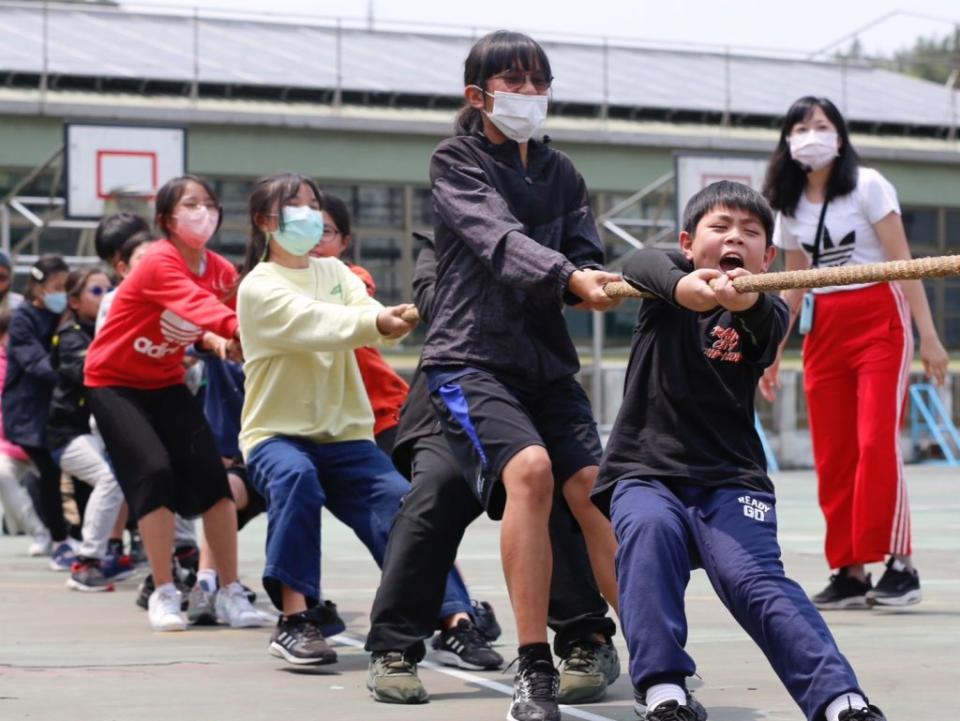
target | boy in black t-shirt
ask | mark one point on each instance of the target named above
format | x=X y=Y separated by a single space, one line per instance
x=684 y=476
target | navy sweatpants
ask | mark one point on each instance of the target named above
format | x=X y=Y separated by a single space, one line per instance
x=731 y=533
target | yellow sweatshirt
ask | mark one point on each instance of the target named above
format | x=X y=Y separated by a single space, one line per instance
x=299 y=329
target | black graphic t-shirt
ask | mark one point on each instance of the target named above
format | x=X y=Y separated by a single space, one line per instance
x=848 y=234
x=688 y=413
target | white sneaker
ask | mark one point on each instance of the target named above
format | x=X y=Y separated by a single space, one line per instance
x=163 y=609
x=42 y=545
x=233 y=608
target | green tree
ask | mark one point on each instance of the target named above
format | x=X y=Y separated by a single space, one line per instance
x=931 y=58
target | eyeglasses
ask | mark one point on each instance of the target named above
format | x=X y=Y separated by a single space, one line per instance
x=516 y=79
x=329 y=234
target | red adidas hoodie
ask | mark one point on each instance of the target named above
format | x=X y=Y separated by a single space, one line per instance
x=161 y=309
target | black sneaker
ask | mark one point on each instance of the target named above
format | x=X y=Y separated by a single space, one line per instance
x=535 y=689
x=896 y=587
x=463 y=646
x=147 y=587
x=699 y=712
x=327 y=619
x=298 y=640
x=870 y=713
x=673 y=711
x=137 y=551
x=843 y=592
x=486 y=620
x=183 y=580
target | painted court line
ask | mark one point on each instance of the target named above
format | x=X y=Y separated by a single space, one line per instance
x=480 y=681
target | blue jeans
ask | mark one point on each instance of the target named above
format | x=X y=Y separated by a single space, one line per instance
x=731 y=532
x=360 y=486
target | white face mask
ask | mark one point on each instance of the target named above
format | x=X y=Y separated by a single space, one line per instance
x=516 y=115
x=814 y=149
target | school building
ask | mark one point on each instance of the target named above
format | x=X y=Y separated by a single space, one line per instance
x=360 y=108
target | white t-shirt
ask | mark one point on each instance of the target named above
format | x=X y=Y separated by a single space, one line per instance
x=848 y=237
x=105 y=304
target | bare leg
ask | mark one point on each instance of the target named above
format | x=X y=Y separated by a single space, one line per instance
x=905 y=560
x=525 y=541
x=156 y=528
x=220 y=531
x=293 y=602
x=857 y=571
x=597 y=531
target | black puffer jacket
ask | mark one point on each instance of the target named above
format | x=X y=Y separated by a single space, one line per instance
x=69 y=416
x=28 y=385
x=507 y=240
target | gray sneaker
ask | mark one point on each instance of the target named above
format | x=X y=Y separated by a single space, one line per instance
x=201 y=606
x=393 y=679
x=586 y=672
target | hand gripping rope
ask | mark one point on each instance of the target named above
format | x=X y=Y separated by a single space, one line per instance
x=918 y=268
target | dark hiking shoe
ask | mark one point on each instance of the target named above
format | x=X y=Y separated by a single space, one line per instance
x=392 y=678
x=586 y=672
x=463 y=646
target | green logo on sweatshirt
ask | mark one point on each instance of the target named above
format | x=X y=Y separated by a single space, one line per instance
x=337 y=290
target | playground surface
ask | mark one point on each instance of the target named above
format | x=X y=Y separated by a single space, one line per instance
x=92 y=657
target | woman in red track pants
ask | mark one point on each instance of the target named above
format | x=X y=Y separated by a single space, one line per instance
x=857 y=351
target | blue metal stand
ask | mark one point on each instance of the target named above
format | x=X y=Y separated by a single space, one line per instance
x=772 y=465
x=929 y=416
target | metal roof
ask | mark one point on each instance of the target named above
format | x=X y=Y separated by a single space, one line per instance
x=102 y=43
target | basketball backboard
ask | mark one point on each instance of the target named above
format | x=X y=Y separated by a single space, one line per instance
x=102 y=161
x=696 y=171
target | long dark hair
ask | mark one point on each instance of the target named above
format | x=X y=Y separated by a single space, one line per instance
x=786 y=179
x=268 y=196
x=169 y=195
x=489 y=56
x=41 y=271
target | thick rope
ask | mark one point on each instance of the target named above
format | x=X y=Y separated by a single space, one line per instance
x=918 y=268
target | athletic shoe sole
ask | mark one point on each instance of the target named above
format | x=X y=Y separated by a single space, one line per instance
x=907 y=599
x=123 y=575
x=170 y=626
x=280 y=652
x=54 y=566
x=511 y=717
x=845 y=604
x=581 y=694
x=202 y=619
x=449 y=658
x=396 y=700
x=77 y=586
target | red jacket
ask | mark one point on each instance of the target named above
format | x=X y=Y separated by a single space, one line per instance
x=386 y=390
x=161 y=309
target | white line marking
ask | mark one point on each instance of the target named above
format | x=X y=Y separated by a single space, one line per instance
x=480 y=681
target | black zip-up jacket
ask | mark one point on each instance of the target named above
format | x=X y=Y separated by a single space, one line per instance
x=688 y=415
x=28 y=385
x=507 y=241
x=69 y=416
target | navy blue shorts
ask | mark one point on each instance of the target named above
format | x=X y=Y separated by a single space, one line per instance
x=487 y=422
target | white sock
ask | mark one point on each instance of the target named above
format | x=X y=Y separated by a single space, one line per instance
x=843 y=703
x=207 y=578
x=166 y=588
x=662 y=692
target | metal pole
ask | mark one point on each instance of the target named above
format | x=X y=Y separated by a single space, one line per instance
x=605 y=107
x=46 y=56
x=5 y=228
x=727 y=100
x=195 y=86
x=338 y=91
x=596 y=382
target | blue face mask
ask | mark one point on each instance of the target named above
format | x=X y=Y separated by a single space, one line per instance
x=55 y=302
x=302 y=228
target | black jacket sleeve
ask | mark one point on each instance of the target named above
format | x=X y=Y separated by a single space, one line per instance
x=762 y=328
x=656 y=271
x=425 y=278
x=71 y=353
x=25 y=347
x=581 y=242
x=467 y=203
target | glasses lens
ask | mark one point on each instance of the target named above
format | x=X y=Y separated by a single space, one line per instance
x=98 y=290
